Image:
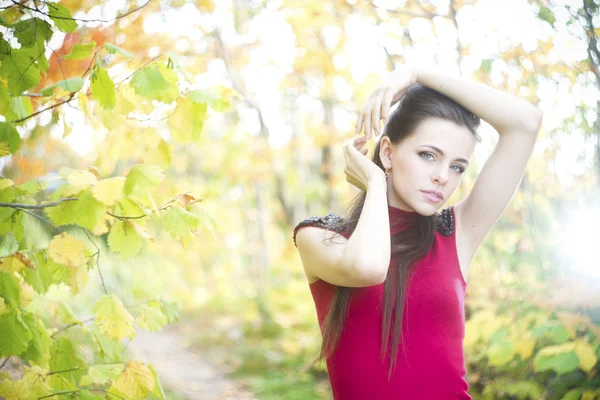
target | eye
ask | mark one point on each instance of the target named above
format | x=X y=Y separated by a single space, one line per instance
x=427 y=155
x=458 y=168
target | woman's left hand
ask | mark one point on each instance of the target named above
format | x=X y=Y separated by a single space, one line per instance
x=386 y=95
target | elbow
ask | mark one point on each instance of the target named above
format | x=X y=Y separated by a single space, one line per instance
x=371 y=275
x=534 y=121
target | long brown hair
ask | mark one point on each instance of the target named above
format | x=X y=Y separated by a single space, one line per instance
x=408 y=246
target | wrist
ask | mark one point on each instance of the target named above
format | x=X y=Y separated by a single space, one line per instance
x=377 y=182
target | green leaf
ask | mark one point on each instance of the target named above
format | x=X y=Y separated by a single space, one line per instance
x=86 y=211
x=561 y=363
x=545 y=14
x=69 y=85
x=8 y=244
x=143 y=178
x=62 y=17
x=40 y=339
x=103 y=88
x=156 y=82
x=553 y=330
x=187 y=121
x=64 y=356
x=46 y=272
x=112 y=49
x=124 y=239
x=109 y=350
x=21 y=107
x=6 y=103
x=150 y=319
x=501 y=353
x=10 y=136
x=81 y=51
x=14 y=334
x=181 y=224
x=10 y=289
x=33 y=32
x=101 y=374
x=158 y=389
x=170 y=310
x=573 y=394
x=20 y=71
x=113 y=319
x=87 y=395
x=212 y=97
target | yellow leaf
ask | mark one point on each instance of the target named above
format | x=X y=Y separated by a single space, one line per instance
x=102 y=227
x=141 y=231
x=109 y=191
x=557 y=349
x=65 y=249
x=79 y=180
x=588 y=396
x=586 y=354
x=4 y=183
x=206 y=5
x=4 y=149
x=12 y=264
x=136 y=381
x=113 y=319
x=78 y=279
x=524 y=347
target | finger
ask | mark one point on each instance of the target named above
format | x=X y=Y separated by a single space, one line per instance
x=368 y=112
x=367 y=124
x=377 y=111
x=359 y=142
x=364 y=152
x=359 y=121
x=386 y=103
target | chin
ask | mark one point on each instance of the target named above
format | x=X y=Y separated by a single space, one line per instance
x=426 y=209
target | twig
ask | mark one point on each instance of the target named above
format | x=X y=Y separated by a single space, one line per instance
x=37 y=207
x=97 y=259
x=50 y=5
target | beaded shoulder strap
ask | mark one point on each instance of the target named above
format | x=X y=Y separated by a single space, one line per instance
x=329 y=222
x=445 y=222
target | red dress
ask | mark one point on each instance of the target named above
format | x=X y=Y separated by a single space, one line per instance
x=433 y=327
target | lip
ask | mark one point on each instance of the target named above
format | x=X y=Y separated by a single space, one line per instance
x=433 y=195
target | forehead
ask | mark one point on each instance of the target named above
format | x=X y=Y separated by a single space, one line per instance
x=454 y=140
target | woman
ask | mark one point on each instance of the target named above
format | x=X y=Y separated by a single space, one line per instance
x=394 y=243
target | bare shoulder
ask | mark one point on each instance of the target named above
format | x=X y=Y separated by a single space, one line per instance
x=317 y=252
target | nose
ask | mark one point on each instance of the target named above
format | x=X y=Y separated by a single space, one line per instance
x=440 y=177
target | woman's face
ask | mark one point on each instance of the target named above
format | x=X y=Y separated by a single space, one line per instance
x=427 y=166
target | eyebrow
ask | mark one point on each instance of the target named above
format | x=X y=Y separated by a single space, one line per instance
x=442 y=153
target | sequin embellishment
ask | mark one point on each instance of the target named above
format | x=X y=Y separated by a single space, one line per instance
x=445 y=222
x=329 y=221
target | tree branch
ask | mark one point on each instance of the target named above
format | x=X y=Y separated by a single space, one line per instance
x=37 y=207
x=408 y=13
x=592 y=48
x=50 y=5
x=4 y=362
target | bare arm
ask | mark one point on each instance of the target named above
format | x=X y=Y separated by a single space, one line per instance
x=517 y=123
x=364 y=258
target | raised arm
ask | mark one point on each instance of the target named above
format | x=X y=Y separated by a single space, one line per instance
x=517 y=123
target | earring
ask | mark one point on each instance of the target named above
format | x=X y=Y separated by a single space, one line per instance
x=387 y=173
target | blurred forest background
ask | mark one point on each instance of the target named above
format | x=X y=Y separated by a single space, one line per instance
x=250 y=119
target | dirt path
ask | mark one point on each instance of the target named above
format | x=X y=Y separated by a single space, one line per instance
x=182 y=370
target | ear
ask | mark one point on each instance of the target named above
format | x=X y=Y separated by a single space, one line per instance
x=386 y=148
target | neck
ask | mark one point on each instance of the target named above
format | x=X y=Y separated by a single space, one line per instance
x=401 y=220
